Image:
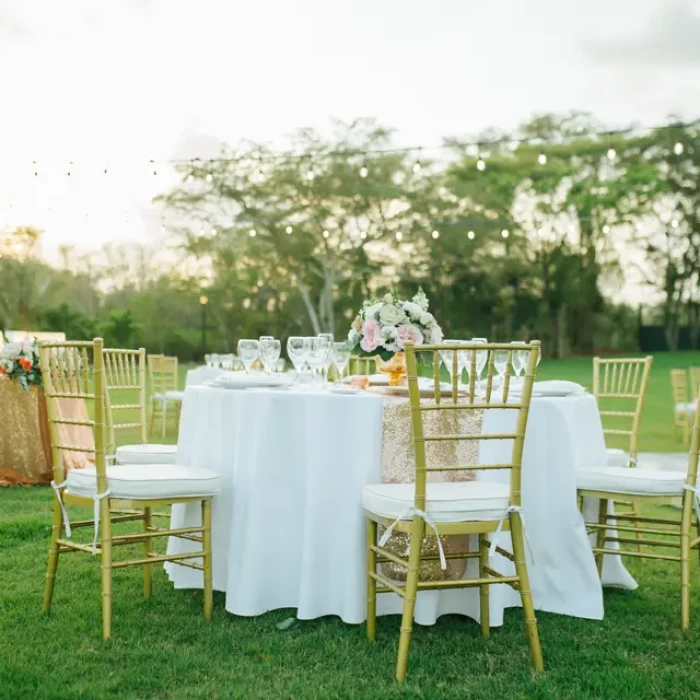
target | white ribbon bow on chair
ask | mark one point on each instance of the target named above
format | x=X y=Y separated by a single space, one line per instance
x=499 y=530
x=95 y=511
x=406 y=515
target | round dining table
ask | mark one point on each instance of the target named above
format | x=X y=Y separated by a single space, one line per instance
x=289 y=528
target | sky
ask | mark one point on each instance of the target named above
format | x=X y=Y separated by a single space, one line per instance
x=88 y=86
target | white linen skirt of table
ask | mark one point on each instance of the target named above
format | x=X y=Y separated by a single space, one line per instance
x=200 y=375
x=563 y=435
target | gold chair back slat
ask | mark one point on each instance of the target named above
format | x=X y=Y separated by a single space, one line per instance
x=694 y=374
x=457 y=356
x=70 y=373
x=622 y=380
x=362 y=366
x=126 y=374
x=679 y=386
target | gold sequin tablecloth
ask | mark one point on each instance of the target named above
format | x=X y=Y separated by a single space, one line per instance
x=398 y=466
x=25 y=446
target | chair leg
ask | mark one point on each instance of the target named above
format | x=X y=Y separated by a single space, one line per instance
x=148 y=568
x=484 y=610
x=164 y=417
x=206 y=546
x=516 y=531
x=637 y=526
x=409 y=601
x=601 y=535
x=685 y=581
x=106 y=557
x=153 y=416
x=371 y=583
x=53 y=555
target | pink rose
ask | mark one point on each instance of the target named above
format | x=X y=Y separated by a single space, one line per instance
x=408 y=332
x=371 y=335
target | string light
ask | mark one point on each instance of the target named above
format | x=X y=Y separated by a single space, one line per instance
x=289 y=229
x=364 y=171
x=481 y=164
x=542 y=158
x=363 y=235
x=310 y=175
x=612 y=154
x=436 y=234
x=470 y=235
x=678 y=148
x=417 y=167
x=399 y=235
x=326 y=234
x=674 y=223
x=505 y=233
x=69 y=167
x=606 y=229
x=252 y=233
x=190 y=178
x=209 y=177
x=260 y=176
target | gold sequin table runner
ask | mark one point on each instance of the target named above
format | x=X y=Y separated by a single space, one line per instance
x=398 y=466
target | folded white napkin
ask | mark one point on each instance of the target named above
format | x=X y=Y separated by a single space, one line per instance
x=250 y=379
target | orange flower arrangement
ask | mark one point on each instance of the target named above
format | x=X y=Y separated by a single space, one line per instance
x=20 y=361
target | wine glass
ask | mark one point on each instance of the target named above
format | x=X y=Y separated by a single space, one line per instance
x=341 y=357
x=520 y=356
x=482 y=357
x=500 y=361
x=269 y=353
x=319 y=349
x=248 y=352
x=329 y=361
x=295 y=351
x=265 y=337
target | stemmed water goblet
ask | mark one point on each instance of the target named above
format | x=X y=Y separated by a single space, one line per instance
x=248 y=351
x=269 y=353
x=519 y=358
x=328 y=337
x=297 y=353
x=319 y=349
x=341 y=357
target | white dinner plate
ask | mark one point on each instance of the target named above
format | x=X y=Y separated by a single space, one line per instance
x=348 y=390
x=252 y=380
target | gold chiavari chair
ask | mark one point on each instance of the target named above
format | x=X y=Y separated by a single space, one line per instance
x=125 y=377
x=648 y=485
x=682 y=409
x=694 y=374
x=75 y=370
x=483 y=508
x=620 y=387
x=163 y=374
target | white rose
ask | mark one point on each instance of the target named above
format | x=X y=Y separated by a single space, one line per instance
x=427 y=319
x=413 y=310
x=372 y=311
x=435 y=335
x=388 y=299
x=391 y=315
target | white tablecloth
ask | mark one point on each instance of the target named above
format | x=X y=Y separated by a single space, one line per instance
x=202 y=374
x=289 y=529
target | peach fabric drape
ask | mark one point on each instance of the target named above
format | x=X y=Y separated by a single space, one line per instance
x=25 y=442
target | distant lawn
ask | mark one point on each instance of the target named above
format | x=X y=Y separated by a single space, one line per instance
x=162 y=648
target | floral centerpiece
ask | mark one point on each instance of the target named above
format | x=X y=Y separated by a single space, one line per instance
x=20 y=361
x=383 y=326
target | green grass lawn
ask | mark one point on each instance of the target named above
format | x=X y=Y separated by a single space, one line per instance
x=162 y=647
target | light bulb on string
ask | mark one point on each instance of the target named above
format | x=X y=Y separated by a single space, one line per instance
x=606 y=229
x=542 y=158
x=364 y=171
x=363 y=235
x=399 y=235
x=678 y=148
x=505 y=233
x=470 y=235
x=260 y=176
x=435 y=234
x=209 y=177
x=326 y=234
x=674 y=223
x=69 y=167
x=190 y=178
x=252 y=233
x=417 y=167
x=612 y=154
x=481 y=164
x=310 y=175
x=289 y=229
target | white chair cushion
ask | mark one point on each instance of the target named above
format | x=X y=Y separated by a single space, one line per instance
x=446 y=502
x=688 y=408
x=146 y=454
x=642 y=481
x=617 y=457
x=147 y=481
